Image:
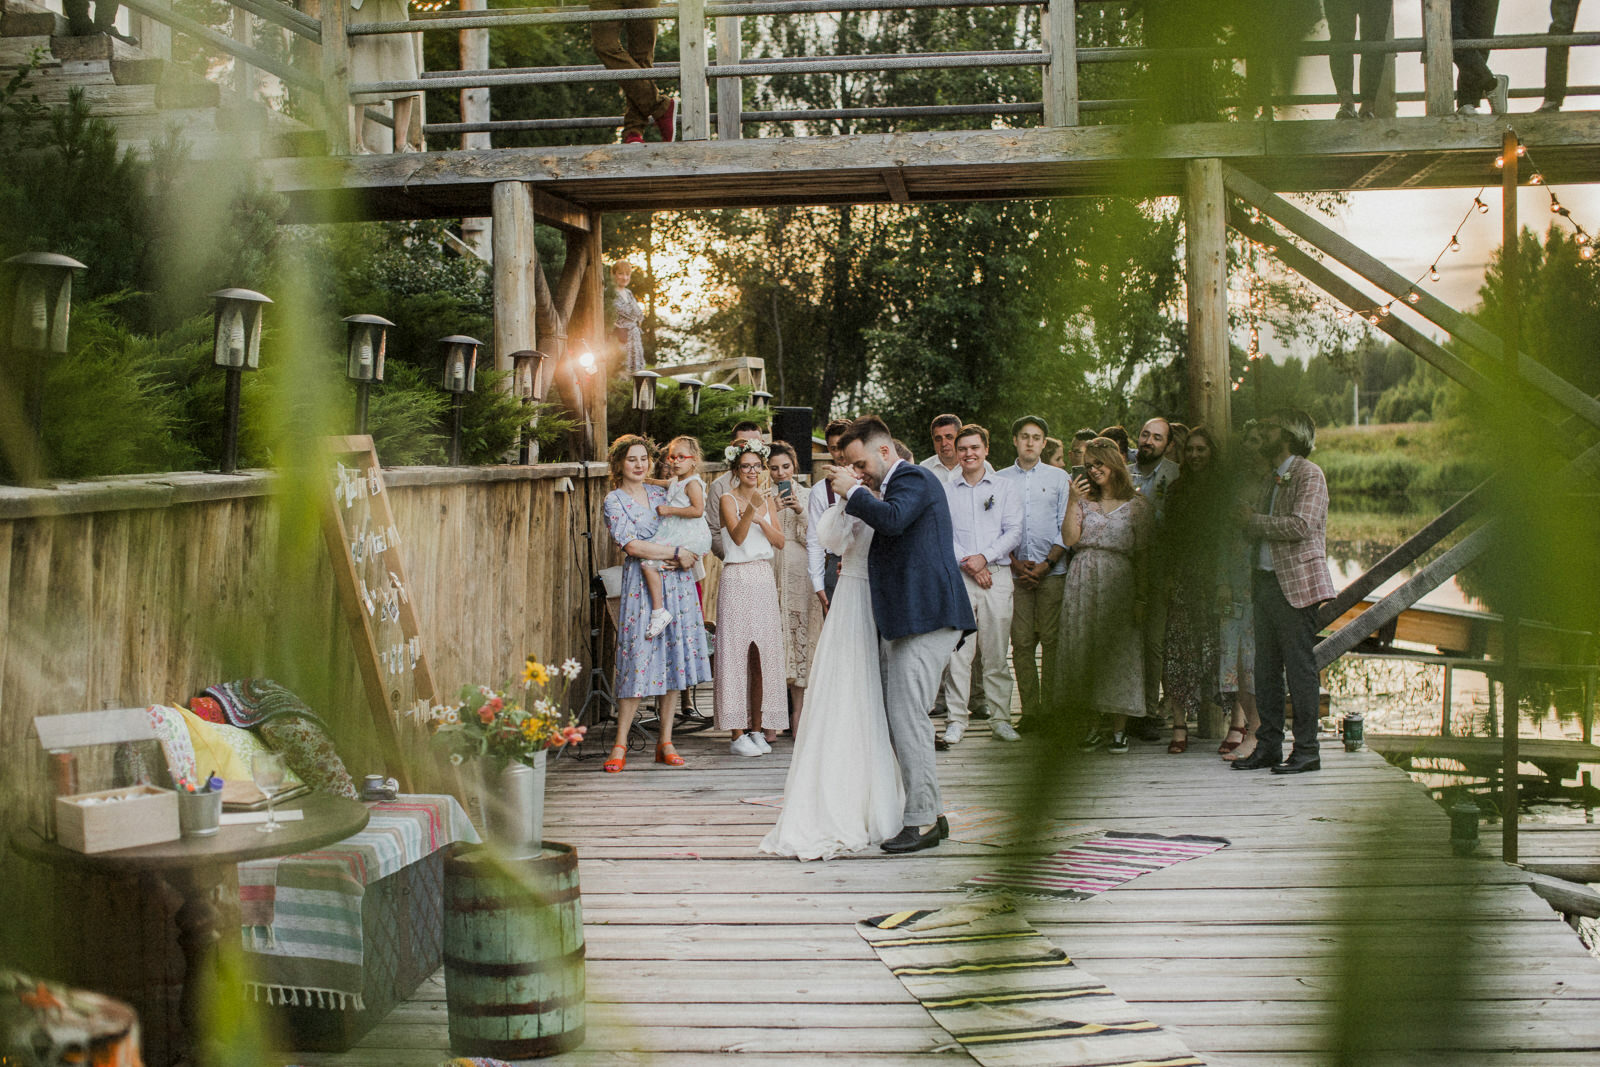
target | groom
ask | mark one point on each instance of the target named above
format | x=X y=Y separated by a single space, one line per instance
x=918 y=602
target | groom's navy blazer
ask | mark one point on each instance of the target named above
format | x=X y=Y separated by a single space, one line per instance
x=916 y=585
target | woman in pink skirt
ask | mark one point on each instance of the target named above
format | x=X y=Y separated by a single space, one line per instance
x=752 y=700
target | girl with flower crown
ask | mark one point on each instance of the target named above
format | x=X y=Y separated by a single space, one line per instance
x=751 y=695
x=683 y=522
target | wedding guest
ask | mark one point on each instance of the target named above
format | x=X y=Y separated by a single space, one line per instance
x=801 y=610
x=986 y=520
x=383 y=57
x=1153 y=476
x=750 y=693
x=1054 y=454
x=683 y=521
x=642 y=102
x=1099 y=661
x=745 y=431
x=1080 y=441
x=943 y=462
x=627 y=320
x=678 y=659
x=1152 y=472
x=1193 y=534
x=1038 y=566
x=1236 y=625
x=1120 y=436
x=1375 y=18
x=1290 y=579
x=823 y=565
x=903 y=450
x=1563 y=18
x=1474 y=79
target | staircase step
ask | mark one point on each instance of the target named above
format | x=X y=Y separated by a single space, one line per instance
x=20 y=19
x=95 y=46
x=18 y=50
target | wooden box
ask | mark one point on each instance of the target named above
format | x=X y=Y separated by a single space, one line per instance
x=148 y=816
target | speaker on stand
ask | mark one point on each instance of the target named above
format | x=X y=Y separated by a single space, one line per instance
x=793 y=426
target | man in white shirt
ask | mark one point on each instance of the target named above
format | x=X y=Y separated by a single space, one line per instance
x=1038 y=566
x=720 y=486
x=822 y=565
x=986 y=520
x=943 y=462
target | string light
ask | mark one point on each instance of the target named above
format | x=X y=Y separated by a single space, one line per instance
x=1455 y=243
x=1477 y=202
x=1579 y=235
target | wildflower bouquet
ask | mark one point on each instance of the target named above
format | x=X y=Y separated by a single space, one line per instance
x=508 y=724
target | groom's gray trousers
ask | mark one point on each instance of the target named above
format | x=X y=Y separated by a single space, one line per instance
x=912 y=669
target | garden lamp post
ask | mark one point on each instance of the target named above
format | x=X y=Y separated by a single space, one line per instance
x=527 y=383
x=692 y=386
x=460 y=374
x=236 y=346
x=368 y=340
x=41 y=307
x=644 y=397
x=761 y=398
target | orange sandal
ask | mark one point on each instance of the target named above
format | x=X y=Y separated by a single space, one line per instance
x=671 y=759
x=618 y=760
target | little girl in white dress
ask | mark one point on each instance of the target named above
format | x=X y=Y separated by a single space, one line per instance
x=683 y=523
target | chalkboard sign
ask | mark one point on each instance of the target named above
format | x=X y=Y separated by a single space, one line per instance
x=369 y=570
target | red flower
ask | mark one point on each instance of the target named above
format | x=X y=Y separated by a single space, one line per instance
x=486 y=714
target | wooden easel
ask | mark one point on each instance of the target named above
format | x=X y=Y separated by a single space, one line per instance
x=364 y=547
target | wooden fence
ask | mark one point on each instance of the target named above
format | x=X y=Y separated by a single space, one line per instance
x=133 y=591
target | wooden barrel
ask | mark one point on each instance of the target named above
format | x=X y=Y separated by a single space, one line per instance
x=513 y=953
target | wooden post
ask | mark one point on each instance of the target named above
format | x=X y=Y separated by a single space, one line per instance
x=591 y=298
x=1511 y=642
x=730 y=91
x=155 y=38
x=336 y=75
x=1205 y=223
x=1386 y=107
x=244 y=75
x=1438 y=60
x=1060 y=35
x=516 y=259
x=696 y=95
x=474 y=52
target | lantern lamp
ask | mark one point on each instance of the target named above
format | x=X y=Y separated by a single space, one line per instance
x=720 y=387
x=761 y=398
x=459 y=377
x=644 y=390
x=235 y=347
x=42 y=304
x=586 y=359
x=527 y=375
x=692 y=387
x=366 y=347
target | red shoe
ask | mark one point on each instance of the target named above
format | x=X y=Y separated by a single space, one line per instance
x=666 y=753
x=618 y=760
x=633 y=137
x=667 y=121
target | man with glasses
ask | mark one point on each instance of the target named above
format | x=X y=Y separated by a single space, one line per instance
x=1289 y=580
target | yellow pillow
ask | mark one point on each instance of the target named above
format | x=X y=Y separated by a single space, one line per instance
x=224 y=750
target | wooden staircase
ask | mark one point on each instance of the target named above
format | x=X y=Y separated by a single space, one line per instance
x=143 y=96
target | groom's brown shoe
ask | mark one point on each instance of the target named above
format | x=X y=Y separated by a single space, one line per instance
x=910 y=839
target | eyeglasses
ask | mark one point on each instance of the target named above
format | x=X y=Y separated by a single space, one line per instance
x=677 y=456
x=1096 y=465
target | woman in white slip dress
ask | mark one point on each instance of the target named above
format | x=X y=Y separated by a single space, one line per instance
x=843 y=793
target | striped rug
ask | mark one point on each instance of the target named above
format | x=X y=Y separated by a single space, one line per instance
x=1010 y=997
x=1092 y=866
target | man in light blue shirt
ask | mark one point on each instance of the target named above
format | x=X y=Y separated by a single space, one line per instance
x=986 y=521
x=1038 y=566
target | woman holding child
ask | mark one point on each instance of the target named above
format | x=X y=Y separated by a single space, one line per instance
x=676 y=658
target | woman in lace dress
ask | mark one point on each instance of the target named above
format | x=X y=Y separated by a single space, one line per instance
x=799 y=606
x=843 y=792
x=1102 y=608
x=752 y=702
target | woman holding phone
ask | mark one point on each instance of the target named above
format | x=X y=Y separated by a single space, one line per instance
x=801 y=610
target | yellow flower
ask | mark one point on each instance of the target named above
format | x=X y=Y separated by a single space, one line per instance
x=534 y=671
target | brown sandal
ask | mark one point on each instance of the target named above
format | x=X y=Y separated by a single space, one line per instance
x=1228 y=746
x=1177 y=746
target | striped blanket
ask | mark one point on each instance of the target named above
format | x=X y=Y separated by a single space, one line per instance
x=1010 y=997
x=1090 y=867
x=301 y=914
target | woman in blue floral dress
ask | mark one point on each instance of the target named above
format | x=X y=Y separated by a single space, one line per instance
x=678 y=659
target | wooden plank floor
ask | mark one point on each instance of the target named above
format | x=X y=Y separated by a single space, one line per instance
x=1338 y=900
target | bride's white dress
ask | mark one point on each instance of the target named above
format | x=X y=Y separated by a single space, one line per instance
x=843 y=793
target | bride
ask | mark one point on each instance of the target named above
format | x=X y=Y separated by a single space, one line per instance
x=843 y=793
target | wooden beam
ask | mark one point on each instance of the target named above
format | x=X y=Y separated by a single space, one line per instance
x=570 y=287
x=895 y=182
x=335 y=53
x=592 y=305
x=516 y=264
x=730 y=91
x=1569 y=898
x=1437 y=58
x=1205 y=224
x=695 y=103
x=1060 y=33
x=562 y=214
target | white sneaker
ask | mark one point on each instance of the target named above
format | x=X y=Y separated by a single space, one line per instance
x=745 y=745
x=660 y=619
x=1003 y=731
x=954 y=733
x=1500 y=95
x=1467 y=110
x=761 y=742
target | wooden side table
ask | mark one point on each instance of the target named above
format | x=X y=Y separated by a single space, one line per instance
x=193 y=867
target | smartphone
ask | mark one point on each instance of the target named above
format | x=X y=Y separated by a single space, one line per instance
x=785 y=488
x=1079 y=472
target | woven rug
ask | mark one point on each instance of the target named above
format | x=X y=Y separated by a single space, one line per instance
x=1010 y=997
x=1092 y=866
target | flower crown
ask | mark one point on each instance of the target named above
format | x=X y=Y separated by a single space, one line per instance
x=732 y=453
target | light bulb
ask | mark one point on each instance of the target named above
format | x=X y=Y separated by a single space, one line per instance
x=1413 y=297
x=586 y=361
x=1455 y=245
x=1373 y=319
x=1586 y=252
x=364 y=351
x=1583 y=238
x=1555 y=208
x=1433 y=273
x=1536 y=178
x=1483 y=209
x=1499 y=161
x=1383 y=312
x=236 y=339
x=1521 y=151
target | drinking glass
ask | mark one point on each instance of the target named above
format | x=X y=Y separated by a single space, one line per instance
x=270 y=775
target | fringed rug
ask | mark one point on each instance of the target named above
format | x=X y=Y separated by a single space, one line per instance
x=1010 y=997
x=1092 y=866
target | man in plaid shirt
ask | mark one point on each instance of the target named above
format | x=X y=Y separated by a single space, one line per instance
x=1290 y=578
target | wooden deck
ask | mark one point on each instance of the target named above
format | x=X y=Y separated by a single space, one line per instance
x=700 y=948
